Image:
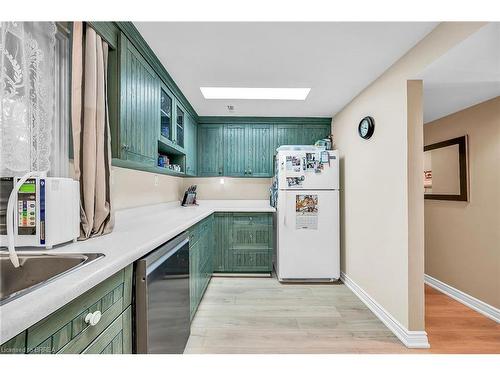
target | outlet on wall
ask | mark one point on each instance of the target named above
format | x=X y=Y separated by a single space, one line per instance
x=156 y=180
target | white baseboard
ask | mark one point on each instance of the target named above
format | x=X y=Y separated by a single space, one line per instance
x=411 y=339
x=464 y=298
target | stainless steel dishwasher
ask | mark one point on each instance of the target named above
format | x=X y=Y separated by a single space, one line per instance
x=162 y=323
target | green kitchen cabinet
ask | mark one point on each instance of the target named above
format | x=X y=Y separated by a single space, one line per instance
x=139 y=103
x=243 y=242
x=260 y=150
x=116 y=338
x=180 y=122
x=235 y=150
x=252 y=239
x=288 y=134
x=210 y=150
x=314 y=132
x=248 y=150
x=193 y=278
x=16 y=345
x=222 y=232
x=191 y=137
x=65 y=331
x=300 y=134
x=201 y=250
x=166 y=112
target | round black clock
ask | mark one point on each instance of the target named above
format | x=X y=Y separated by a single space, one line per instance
x=366 y=127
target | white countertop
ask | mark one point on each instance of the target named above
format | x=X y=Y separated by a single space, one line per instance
x=137 y=231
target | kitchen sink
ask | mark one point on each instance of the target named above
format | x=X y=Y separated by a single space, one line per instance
x=37 y=269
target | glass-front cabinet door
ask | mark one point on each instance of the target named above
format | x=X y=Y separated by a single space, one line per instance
x=180 y=127
x=166 y=115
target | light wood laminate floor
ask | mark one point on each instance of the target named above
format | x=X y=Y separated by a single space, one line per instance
x=260 y=315
x=454 y=328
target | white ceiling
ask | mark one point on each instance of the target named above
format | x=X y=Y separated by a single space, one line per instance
x=335 y=59
x=466 y=75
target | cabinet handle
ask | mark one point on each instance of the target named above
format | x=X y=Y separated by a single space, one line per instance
x=220 y=170
x=93 y=318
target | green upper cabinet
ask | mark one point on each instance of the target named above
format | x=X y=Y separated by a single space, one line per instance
x=260 y=150
x=191 y=137
x=300 y=134
x=248 y=150
x=173 y=121
x=166 y=115
x=314 y=132
x=180 y=119
x=210 y=150
x=249 y=146
x=235 y=150
x=139 y=102
x=288 y=134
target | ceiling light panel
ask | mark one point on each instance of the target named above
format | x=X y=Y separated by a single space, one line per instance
x=255 y=93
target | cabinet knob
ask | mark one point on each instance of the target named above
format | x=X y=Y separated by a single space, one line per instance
x=250 y=171
x=125 y=147
x=93 y=318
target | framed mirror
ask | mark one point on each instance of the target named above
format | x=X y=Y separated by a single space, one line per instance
x=445 y=170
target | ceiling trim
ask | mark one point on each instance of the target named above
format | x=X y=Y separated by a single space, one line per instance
x=253 y=120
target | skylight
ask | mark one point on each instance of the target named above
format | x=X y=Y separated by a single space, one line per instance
x=255 y=93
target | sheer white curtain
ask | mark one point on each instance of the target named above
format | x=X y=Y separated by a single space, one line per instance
x=27 y=51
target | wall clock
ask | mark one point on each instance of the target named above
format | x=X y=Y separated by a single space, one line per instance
x=366 y=127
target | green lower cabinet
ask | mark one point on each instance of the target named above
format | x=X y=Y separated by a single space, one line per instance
x=116 y=338
x=65 y=331
x=222 y=228
x=193 y=275
x=16 y=345
x=201 y=250
x=243 y=242
x=250 y=260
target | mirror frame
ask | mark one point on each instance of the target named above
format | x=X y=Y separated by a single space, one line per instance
x=462 y=160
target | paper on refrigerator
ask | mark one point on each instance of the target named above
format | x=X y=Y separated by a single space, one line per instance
x=306 y=211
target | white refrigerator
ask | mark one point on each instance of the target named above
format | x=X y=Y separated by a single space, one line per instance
x=307 y=218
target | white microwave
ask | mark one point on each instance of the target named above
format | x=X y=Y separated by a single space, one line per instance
x=47 y=211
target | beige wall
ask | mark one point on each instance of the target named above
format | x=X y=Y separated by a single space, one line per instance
x=233 y=188
x=415 y=121
x=376 y=182
x=462 y=239
x=131 y=188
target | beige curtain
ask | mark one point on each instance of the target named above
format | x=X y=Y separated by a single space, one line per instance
x=90 y=125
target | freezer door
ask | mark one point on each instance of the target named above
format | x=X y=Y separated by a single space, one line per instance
x=308 y=235
x=296 y=170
